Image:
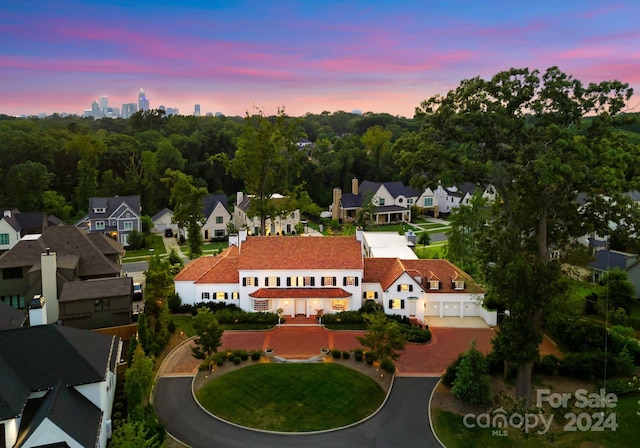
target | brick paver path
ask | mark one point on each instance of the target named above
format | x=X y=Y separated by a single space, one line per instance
x=304 y=342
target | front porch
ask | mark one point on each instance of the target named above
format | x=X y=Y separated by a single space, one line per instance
x=305 y=302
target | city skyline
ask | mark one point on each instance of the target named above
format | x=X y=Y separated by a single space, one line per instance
x=232 y=57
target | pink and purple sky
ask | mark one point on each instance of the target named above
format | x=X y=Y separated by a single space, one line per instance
x=308 y=56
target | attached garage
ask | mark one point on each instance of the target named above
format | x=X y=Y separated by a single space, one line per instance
x=451 y=309
x=433 y=309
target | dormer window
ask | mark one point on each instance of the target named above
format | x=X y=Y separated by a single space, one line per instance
x=458 y=284
x=99 y=210
x=434 y=284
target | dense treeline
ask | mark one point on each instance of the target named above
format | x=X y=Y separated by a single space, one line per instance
x=55 y=164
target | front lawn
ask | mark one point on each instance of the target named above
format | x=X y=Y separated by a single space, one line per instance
x=292 y=397
x=153 y=242
x=451 y=430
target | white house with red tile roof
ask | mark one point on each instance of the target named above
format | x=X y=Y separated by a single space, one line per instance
x=302 y=275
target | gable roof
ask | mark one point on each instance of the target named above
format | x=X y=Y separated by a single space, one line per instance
x=112 y=204
x=611 y=259
x=161 y=213
x=41 y=355
x=300 y=252
x=66 y=408
x=210 y=202
x=387 y=270
x=395 y=189
x=64 y=241
x=197 y=269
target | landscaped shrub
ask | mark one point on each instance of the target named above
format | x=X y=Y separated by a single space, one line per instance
x=586 y=365
x=358 y=357
x=171 y=326
x=547 y=364
x=387 y=365
x=345 y=355
x=369 y=357
x=623 y=386
x=415 y=334
x=219 y=358
x=336 y=353
x=344 y=317
x=449 y=375
x=574 y=333
x=472 y=384
x=237 y=360
x=358 y=351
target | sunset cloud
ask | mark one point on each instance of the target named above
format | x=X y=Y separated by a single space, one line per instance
x=307 y=56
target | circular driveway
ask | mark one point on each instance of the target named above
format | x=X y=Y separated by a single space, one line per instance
x=403 y=421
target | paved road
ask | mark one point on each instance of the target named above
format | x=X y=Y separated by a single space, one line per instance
x=402 y=422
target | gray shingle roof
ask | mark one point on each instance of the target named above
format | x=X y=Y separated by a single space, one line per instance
x=111 y=204
x=10 y=317
x=69 y=410
x=211 y=201
x=609 y=259
x=96 y=289
x=42 y=355
x=64 y=240
x=161 y=213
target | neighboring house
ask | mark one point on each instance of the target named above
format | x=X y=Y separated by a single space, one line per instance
x=115 y=217
x=215 y=210
x=428 y=203
x=284 y=224
x=450 y=198
x=307 y=275
x=57 y=386
x=15 y=225
x=62 y=254
x=392 y=201
x=97 y=303
x=605 y=260
x=163 y=220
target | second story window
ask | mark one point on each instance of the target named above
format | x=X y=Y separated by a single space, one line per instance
x=219 y=220
x=250 y=281
x=328 y=281
x=99 y=225
x=128 y=225
x=350 y=281
x=405 y=288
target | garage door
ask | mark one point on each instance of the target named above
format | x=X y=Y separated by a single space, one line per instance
x=433 y=309
x=471 y=309
x=451 y=309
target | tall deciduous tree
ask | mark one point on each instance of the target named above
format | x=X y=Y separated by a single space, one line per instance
x=267 y=161
x=523 y=131
x=209 y=333
x=138 y=382
x=25 y=184
x=187 y=200
x=384 y=336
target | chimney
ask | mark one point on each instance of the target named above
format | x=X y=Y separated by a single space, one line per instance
x=239 y=198
x=354 y=186
x=335 y=206
x=37 y=311
x=48 y=272
x=236 y=239
x=7 y=213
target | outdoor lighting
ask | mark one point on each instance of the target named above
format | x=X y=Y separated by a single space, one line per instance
x=286 y=302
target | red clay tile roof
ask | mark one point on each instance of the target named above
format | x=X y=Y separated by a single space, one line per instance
x=203 y=266
x=299 y=293
x=387 y=270
x=300 y=252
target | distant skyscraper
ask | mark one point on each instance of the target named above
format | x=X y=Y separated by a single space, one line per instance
x=95 y=110
x=129 y=109
x=172 y=111
x=143 y=101
x=196 y=110
x=104 y=105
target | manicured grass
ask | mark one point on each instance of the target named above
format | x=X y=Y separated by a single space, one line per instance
x=292 y=397
x=450 y=429
x=430 y=252
x=153 y=242
x=184 y=322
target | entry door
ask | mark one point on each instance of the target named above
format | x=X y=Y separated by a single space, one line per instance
x=412 y=308
x=301 y=306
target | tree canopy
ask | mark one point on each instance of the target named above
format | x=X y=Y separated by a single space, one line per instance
x=557 y=178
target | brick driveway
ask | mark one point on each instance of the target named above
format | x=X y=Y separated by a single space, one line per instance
x=304 y=342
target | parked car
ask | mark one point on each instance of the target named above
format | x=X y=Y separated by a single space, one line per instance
x=168 y=233
x=137 y=291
